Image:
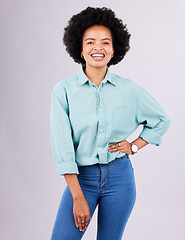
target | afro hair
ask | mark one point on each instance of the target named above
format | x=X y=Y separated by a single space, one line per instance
x=77 y=25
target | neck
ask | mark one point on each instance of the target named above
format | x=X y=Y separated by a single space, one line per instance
x=95 y=74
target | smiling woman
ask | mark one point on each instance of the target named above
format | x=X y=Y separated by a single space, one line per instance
x=97 y=45
x=92 y=113
x=97 y=51
x=103 y=17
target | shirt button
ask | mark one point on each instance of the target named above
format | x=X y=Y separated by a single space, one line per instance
x=98 y=90
x=100 y=109
x=101 y=130
x=100 y=149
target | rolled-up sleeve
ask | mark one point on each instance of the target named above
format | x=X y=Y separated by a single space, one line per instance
x=61 y=133
x=153 y=117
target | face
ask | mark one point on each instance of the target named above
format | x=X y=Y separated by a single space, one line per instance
x=97 y=39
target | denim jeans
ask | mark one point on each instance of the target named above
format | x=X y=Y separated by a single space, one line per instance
x=110 y=186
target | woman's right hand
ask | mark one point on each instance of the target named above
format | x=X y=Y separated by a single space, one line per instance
x=81 y=213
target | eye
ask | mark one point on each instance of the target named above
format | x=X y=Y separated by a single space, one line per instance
x=89 y=42
x=106 y=42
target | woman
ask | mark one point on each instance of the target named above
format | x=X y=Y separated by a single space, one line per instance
x=92 y=113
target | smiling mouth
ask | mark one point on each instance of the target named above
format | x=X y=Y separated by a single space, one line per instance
x=98 y=56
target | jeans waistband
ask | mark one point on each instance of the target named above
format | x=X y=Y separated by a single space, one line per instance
x=121 y=158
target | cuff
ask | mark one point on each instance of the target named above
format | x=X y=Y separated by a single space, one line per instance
x=150 y=136
x=67 y=167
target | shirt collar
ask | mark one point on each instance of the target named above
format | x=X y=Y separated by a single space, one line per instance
x=82 y=77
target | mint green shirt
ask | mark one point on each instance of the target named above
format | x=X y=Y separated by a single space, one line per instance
x=84 y=118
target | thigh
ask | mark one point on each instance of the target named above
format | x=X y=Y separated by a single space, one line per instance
x=64 y=226
x=116 y=201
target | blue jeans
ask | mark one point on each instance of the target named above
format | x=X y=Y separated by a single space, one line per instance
x=110 y=186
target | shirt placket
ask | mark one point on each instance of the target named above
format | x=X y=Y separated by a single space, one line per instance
x=102 y=154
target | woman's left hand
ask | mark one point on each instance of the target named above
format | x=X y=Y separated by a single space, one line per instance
x=123 y=146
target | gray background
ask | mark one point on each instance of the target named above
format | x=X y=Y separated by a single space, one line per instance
x=33 y=60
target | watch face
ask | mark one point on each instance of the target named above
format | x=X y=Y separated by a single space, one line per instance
x=134 y=148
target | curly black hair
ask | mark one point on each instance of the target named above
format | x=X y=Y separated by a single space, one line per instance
x=77 y=25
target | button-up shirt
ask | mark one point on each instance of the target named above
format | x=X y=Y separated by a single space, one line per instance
x=85 y=117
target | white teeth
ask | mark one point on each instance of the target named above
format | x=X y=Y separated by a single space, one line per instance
x=97 y=55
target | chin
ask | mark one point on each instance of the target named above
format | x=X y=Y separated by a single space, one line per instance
x=97 y=65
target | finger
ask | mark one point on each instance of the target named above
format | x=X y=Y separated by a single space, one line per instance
x=110 y=148
x=87 y=221
x=114 y=150
x=115 y=146
x=83 y=222
x=112 y=143
x=117 y=150
x=76 y=221
x=79 y=223
x=88 y=218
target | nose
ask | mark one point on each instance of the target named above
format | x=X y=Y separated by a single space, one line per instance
x=97 y=48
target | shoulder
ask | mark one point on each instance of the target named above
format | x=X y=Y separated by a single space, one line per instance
x=126 y=82
x=136 y=90
x=63 y=85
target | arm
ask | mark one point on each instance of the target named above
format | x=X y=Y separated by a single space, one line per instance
x=81 y=210
x=64 y=154
x=74 y=186
x=61 y=132
x=153 y=117
x=62 y=143
x=140 y=143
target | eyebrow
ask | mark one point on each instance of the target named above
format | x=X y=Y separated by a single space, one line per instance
x=94 y=39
